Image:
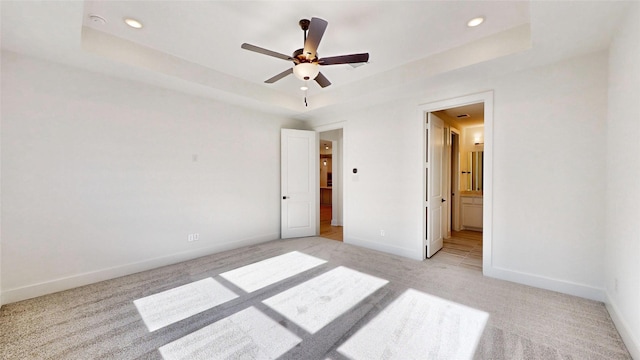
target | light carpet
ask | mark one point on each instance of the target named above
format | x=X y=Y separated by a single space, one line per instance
x=270 y=271
x=418 y=326
x=101 y=321
x=317 y=302
x=170 y=306
x=248 y=334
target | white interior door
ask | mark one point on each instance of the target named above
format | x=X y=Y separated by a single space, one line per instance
x=299 y=186
x=435 y=195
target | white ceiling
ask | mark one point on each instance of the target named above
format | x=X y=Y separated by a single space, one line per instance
x=194 y=46
x=475 y=112
x=210 y=33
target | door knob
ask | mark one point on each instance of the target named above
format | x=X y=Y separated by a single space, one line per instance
x=442 y=200
x=285 y=197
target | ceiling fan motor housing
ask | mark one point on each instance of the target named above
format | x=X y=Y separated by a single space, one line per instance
x=300 y=57
x=306 y=62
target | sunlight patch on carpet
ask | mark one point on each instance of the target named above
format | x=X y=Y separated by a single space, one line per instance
x=418 y=326
x=315 y=303
x=248 y=334
x=270 y=271
x=173 y=305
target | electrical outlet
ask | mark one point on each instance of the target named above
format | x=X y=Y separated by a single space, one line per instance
x=381 y=232
x=193 y=237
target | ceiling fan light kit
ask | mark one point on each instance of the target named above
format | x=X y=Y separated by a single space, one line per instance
x=306 y=71
x=306 y=64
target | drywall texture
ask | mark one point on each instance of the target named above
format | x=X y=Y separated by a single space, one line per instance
x=547 y=123
x=103 y=177
x=384 y=144
x=546 y=171
x=622 y=236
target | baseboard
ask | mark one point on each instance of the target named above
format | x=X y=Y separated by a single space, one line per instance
x=631 y=340
x=335 y=223
x=562 y=286
x=66 y=283
x=408 y=253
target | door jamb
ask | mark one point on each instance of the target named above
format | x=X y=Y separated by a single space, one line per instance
x=335 y=126
x=455 y=199
x=485 y=97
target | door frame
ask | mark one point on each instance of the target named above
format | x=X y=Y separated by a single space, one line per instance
x=454 y=184
x=446 y=232
x=343 y=171
x=485 y=97
x=311 y=196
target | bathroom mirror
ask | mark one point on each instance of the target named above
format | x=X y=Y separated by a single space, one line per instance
x=474 y=174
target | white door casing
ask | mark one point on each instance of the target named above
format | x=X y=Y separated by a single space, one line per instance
x=486 y=98
x=434 y=163
x=446 y=183
x=454 y=204
x=299 y=188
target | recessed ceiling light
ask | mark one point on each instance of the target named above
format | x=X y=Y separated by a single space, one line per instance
x=133 y=23
x=475 y=21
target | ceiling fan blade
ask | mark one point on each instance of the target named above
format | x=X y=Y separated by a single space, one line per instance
x=344 y=59
x=265 y=51
x=322 y=81
x=279 y=76
x=316 y=30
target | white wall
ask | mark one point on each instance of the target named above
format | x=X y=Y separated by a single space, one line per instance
x=384 y=144
x=622 y=233
x=469 y=135
x=547 y=124
x=467 y=144
x=103 y=177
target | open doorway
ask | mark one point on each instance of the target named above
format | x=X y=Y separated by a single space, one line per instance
x=462 y=181
x=330 y=183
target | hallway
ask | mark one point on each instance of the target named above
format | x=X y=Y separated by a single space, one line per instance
x=464 y=249
x=326 y=230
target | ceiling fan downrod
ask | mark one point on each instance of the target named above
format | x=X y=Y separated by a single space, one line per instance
x=304 y=25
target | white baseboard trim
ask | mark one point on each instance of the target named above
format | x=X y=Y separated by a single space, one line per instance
x=408 y=253
x=562 y=286
x=70 y=282
x=631 y=340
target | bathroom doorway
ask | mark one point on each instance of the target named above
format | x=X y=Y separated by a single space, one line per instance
x=462 y=186
x=485 y=201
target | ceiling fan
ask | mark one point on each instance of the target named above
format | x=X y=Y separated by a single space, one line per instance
x=305 y=61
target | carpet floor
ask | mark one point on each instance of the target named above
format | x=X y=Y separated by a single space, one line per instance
x=310 y=298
